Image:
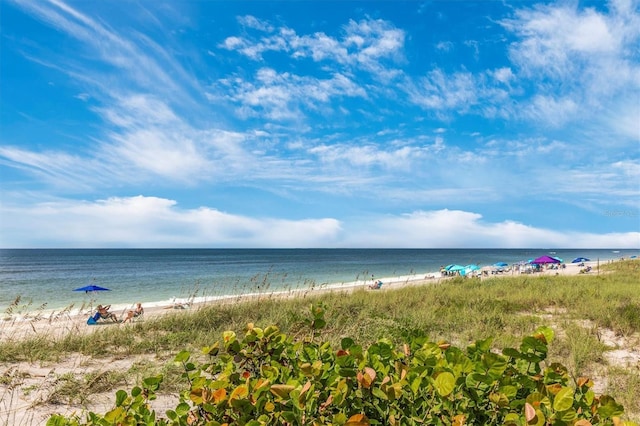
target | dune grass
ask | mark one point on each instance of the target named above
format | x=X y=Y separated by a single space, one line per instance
x=578 y=308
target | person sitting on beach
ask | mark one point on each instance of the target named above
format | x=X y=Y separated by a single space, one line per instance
x=105 y=314
x=134 y=313
x=376 y=286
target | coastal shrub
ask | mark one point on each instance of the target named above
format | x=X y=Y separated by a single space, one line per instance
x=266 y=377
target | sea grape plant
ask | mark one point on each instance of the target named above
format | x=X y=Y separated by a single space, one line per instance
x=265 y=377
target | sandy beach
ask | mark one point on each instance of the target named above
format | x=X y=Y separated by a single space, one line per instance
x=26 y=408
x=57 y=324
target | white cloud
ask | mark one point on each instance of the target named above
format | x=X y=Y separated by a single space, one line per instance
x=503 y=75
x=152 y=222
x=439 y=91
x=285 y=96
x=156 y=222
x=579 y=49
x=455 y=229
x=59 y=169
x=255 y=23
x=364 y=45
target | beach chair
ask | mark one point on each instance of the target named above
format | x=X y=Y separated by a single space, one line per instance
x=134 y=314
x=103 y=313
x=95 y=318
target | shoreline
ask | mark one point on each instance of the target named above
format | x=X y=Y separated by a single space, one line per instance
x=41 y=284
x=58 y=323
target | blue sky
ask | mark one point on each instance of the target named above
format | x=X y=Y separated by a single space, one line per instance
x=320 y=124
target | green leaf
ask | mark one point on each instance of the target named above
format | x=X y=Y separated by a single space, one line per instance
x=532 y=345
x=183 y=356
x=347 y=372
x=289 y=416
x=121 y=396
x=152 y=383
x=495 y=364
x=318 y=324
x=56 y=420
x=445 y=383
x=509 y=391
x=563 y=399
x=545 y=331
x=136 y=391
x=511 y=419
x=378 y=393
x=115 y=415
x=211 y=350
x=477 y=381
x=513 y=353
x=609 y=407
x=346 y=343
x=567 y=416
x=282 y=391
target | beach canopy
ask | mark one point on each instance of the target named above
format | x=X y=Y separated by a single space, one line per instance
x=545 y=259
x=91 y=287
x=500 y=264
x=454 y=268
x=579 y=260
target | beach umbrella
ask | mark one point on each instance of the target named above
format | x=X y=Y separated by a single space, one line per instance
x=500 y=264
x=455 y=268
x=472 y=267
x=544 y=259
x=580 y=260
x=91 y=287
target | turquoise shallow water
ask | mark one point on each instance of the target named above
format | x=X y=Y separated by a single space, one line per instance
x=156 y=276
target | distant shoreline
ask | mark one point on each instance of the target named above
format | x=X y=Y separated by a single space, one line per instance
x=266 y=282
x=65 y=321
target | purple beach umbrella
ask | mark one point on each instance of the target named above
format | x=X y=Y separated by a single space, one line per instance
x=545 y=259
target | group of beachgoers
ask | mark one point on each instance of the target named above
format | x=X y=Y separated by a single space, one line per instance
x=103 y=313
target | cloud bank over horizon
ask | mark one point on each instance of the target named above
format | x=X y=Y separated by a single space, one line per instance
x=126 y=222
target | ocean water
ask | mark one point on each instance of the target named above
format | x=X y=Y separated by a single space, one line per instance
x=44 y=279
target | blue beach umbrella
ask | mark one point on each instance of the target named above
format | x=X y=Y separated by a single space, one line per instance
x=579 y=260
x=91 y=287
x=500 y=264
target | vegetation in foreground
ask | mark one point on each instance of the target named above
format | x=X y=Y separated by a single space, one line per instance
x=459 y=311
x=268 y=378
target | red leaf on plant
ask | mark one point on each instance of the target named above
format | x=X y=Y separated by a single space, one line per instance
x=529 y=412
